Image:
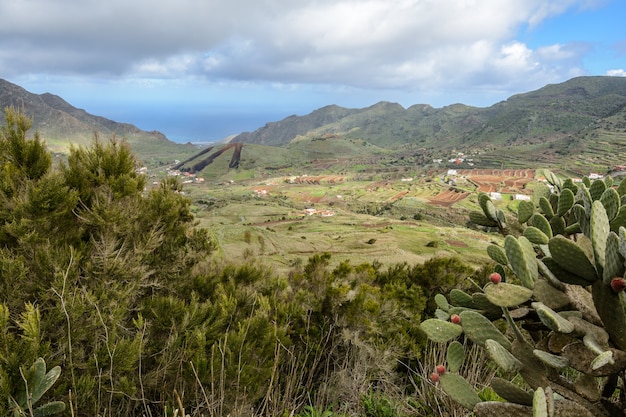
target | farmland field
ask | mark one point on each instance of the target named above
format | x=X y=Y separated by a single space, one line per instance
x=284 y=220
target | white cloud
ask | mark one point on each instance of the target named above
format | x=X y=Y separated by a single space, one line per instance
x=616 y=72
x=410 y=44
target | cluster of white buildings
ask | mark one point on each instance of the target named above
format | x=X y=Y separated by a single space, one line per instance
x=188 y=178
x=323 y=213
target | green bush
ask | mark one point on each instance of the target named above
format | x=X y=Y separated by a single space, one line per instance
x=116 y=285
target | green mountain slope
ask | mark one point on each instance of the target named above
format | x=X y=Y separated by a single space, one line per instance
x=577 y=125
x=60 y=124
x=528 y=122
x=281 y=132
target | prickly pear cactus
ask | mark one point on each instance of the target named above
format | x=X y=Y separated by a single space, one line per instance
x=489 y=216
x=559 y=321
x=37 y=382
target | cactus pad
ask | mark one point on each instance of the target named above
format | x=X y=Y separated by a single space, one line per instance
x=536 y=236
x=584 y=197
x=487 y=206
x=611 y=310
x=461 y=299
x=563 y=275
x=621 y=190
x=442 y=302
x=511 y=392
x=622 y=241
x=566 y=201
x=487 y=307
x=572 y=229
x=459 y=390
x=479 y=329
x=496 y=253
x=441 y=314
x=507 y=295
x=599 y=228
x=596 y=189
x=572 y=258
x=551 y=360
x=501 y=218
x=569 y=184
x=611 y=201
x=500 y=409
x=551 y=319
x=38 y=382
x=546 y=207
x=613 y=260
x=519 y=260
x=440 y=331
x=541 y=223
x=480 y=219
x=552 y=178
x=455 y=356
x=502 y=357
x=558 y=225
x=619 y=220
x=540 y=403
x=603 y=359
x=525 y=210
x=550 y=296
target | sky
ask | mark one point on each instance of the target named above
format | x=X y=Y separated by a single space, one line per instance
x=200 y=70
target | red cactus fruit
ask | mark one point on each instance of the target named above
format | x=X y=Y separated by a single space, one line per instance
x=618 y=284
x=495 y=277
x=455 y=318
x=434 y=377
x=441 y=369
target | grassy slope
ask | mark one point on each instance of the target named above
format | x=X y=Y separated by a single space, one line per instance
x=274 y=228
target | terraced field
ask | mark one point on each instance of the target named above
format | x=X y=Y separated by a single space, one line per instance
x=499 y=180
x=449 y=197
x=507 y=181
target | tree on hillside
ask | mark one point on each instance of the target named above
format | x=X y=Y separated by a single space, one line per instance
x=20 y=156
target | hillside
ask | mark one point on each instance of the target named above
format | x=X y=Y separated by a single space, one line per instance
x=578 y=126
x=543 y=126
x=61 y=124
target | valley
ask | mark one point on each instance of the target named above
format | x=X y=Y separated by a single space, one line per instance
x=278 y=269
x=404 y=215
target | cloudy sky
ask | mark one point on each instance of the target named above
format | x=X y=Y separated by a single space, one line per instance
x=203 y=69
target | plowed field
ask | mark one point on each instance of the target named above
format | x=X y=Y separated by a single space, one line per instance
x=319 y=179
x=448 y=198
x=510 y=181
x=501 y=180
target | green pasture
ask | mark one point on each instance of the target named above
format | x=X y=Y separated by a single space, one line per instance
x=276 y=230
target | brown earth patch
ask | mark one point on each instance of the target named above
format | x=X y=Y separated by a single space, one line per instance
x=398 y=196
x=502 y=180
x=319 y=179
x=448 y=198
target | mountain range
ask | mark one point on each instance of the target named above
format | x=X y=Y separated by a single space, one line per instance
x=583 y=118
x=547 y=114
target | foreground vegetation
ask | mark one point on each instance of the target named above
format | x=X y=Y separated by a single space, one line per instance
x=116 y=289
x=564 y=348
x=116 y=300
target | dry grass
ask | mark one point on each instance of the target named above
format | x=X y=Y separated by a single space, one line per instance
x=476 y=369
